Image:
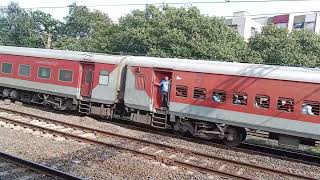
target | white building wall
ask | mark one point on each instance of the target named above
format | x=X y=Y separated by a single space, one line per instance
x=245 y=22
x=317 y=23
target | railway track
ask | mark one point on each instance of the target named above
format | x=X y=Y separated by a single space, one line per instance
x=167 y=154
x=13 y=167
x=249 y=148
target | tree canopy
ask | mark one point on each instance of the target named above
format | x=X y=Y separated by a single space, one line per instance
x=157 y=31
x=177 y=32
x=278 y=46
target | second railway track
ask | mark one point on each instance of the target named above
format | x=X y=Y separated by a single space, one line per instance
x=167 y=154
x=14 y=167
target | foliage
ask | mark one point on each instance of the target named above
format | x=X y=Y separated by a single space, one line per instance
x=277 y=46
x=25 y=28
x=177 y=32
x=81 y=22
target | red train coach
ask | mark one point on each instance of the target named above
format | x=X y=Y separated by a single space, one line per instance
x=220 y=99
x=61 y=79
x=207 y=99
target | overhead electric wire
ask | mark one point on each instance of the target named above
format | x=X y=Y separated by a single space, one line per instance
x=173 y=3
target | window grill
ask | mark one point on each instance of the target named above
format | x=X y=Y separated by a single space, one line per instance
x=199 y=93
x=24 y=70
x=140 y=81
x=181 y=91
x=310 y=107
x=44 y=72
x=240 y=98
x=219 y=96
x=285 y=104
x=65 y=75
x=262 y=101
x=6 y=68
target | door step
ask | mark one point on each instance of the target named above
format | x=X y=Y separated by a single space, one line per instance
x=159 y=121
x=85 y=107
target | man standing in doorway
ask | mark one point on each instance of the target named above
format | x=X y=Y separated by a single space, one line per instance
x=165 y=89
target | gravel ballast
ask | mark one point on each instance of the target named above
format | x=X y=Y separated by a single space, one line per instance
x=101 y=163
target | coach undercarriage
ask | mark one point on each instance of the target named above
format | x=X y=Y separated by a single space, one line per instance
x=184 y=126
x=230 y=135
x=56 y=102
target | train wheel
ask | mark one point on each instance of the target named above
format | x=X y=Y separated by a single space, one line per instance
x=243 y=134
x=234 y=136
x=6 y=93
x=183 y=129
x=14 y=94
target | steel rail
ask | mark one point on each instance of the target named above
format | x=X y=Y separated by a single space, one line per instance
x=38 y=167
x=173 y=148
x=136 y=152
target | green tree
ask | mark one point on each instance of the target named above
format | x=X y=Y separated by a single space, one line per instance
x=278 y=46
x=81 y=22
x=84 y=30
x=177 y=32
x=25 y=28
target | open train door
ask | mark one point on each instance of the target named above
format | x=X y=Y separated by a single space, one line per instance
x=87 y=78
x=159 y=75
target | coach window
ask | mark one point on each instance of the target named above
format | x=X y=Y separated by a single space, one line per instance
x=24 y=70
x=219 y=96
x=140 y=81
x=285 y=104
x=262 y=101
x=310 y=107
x=104 y=77
x=65 y=75
x=6 y=68
x=181 y=91
x=199 y=93
x=240 y=98
x=44 y=72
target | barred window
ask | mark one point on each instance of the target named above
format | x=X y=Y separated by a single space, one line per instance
x=219 y=96
x=104 y=77
x=6 y=68
x=240 y=98
x=24 y=70
x=65 y=75
x=140 y=81
x=44 y=72
x=285 y=104
x=310 y=107
x=181 y=91
x=262 y=101
x=199 y=93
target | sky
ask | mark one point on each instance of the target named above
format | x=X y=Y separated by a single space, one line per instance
x=218 y=9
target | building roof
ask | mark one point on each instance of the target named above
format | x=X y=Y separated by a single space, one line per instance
x=301 y=74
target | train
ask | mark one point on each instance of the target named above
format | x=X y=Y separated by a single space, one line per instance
x=206 y=99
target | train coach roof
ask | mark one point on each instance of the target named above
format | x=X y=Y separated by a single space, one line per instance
x=61 y=54
x=311 y=75
x=301 y=74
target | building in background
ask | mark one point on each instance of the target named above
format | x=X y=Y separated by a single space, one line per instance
x=249 y=25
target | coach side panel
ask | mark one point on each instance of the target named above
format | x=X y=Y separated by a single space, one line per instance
x=138 y=88
x=197 y=102
x=105 y=82
x=55 y=83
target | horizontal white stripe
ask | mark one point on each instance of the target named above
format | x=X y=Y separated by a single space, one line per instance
x=38 y=87
x=266 y=123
